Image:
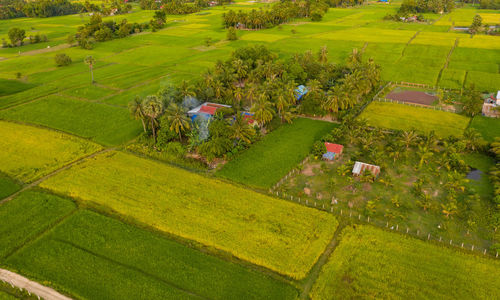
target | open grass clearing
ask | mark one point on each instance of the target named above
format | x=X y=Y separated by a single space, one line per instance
x=266 y=162
x=488 y=127
x=405 y=117
x=102 y=123
x=29 y=153
x=372 y=263
x=8 y=186
x=279 y=235
x=92 y=244
x=26 y=216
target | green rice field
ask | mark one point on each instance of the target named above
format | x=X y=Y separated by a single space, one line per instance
x=279 y=235
x=488 y=127
x=373 y=263
x=266 y=162
x=104 y=249
x=405 y=117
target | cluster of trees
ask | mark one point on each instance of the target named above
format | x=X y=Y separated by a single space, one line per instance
x=62 y=60
x=41 y=9
x=495 y=179
x=431 y=158
x=280 y=13
x=345 y=3
x=489 y=4
x=17 y=36
x=97 y=30
x=164 y=118
x=469 y=100
x=477 y=26
x=178 y=7
x=254 y=77
x=426 y=6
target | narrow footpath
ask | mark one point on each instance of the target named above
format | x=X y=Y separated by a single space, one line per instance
x=30 y=286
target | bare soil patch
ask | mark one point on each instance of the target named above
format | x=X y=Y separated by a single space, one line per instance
x=412 y=97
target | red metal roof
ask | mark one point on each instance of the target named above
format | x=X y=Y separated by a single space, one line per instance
x=208 y=109
x=335 y=148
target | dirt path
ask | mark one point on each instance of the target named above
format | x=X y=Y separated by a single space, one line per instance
x=316 y=269
x=31 y=286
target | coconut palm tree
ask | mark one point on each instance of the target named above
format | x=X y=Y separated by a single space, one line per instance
x=409 y=138
x=177 y=118
x=186 y=90
x=135 y=108
x=323 y=55
x=262 y=109
x=241 y=130
x=153 y=108
x=90 y=61
x=472 y=139
x=424 y=154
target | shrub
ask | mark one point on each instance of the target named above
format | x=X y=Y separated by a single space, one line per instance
x=62 y=60
x=231 y=34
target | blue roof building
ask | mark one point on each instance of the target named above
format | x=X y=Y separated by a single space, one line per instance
x=300 y=92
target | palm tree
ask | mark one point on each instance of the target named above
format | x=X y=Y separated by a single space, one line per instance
x=409 y=138
x=135 y=108
x=177 y=118
x=90 y=61
x=241 y=130
x=282 y=104
x=262 y=109
x=425 y=202
x=186 y=90
x=424 y=153
x=323 y=55
x=472 y=139
x=331 y=103
x=153 y=108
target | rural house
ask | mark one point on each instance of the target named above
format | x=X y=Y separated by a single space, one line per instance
x=300 y=92
x=361 y=167
x=205 y=110
x=332 y=151
x=491 y=106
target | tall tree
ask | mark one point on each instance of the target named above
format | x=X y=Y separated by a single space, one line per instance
x=177 y=118
x=241 y=130
x=90 y=61
x=135 y=108
x=262 y=109
x=153 y=108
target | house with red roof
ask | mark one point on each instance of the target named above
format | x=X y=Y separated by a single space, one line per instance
x=332 y=151
x=206 y=110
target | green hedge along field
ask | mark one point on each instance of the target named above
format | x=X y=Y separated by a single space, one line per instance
x=405 y=117
x=266 y=162
x=373 y=263
x=134 y=263
x=29 y=153
x=273 y=233
x=27 y=215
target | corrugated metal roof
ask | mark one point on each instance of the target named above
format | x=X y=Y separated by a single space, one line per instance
x=360 y=167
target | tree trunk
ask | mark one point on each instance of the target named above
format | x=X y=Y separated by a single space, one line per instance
x=143 y=125
x=180 y=136
x=154 y=131
x=92 y=74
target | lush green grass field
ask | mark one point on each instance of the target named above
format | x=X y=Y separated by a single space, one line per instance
x=102 y=123
x=488 y=127
x=133 y=261
x=13 y=86
x=29 y=153
x=26 y=216
x=372 y=263
x=8 y=186
x=405 y=117
x=279 y=235
x=266 y=162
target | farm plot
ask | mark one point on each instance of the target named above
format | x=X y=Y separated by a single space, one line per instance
x=28 y=215
x=266 y=162
x=102 y=248
x=8 y=186
x=103 y=123
x=404 y=117
x=13 y=86
x=29 y=153
x=279 y=235
x=488 y=127
x=372 y=263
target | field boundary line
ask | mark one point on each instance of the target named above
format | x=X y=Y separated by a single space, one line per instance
x=445 y=66
x=406 y=46
x=55 y=172
x=42 y=233
x=36 y=288
x=155 y=277
x=322 y=260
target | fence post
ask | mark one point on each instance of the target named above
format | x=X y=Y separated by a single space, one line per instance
x=450 y=242
x=368 y=219
x=462 y=245
x=472 y=248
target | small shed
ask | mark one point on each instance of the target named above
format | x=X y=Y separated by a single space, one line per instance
x=300 y=92
x=361 y=167
x=249 y=117
x=332 y=151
